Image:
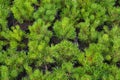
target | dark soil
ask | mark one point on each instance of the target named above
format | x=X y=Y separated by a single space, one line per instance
x=21 y=75
x=11 y=20
x=101 y=27
x=48 y=67
x=54 y=40
x=118 y=64
x=24 y=26
x=117 y=4
x=83 y=45
x=77 y=64
x=5 y=47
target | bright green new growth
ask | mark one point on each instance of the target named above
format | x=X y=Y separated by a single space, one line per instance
x=64 y=29
x=4 y=12
x=65 y=51
x=23 y=9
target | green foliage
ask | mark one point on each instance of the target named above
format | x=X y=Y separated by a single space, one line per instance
x=47 y=10
x=70 y=9
x=59 y=40
x=15 y=34
x=65 y=51
x=4 y=73
x=23 y=9
x=39 y=31
x=64 y=29
x=93 y=15
x=4 y=12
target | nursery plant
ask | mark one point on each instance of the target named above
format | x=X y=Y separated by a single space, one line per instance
x=59 y=39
